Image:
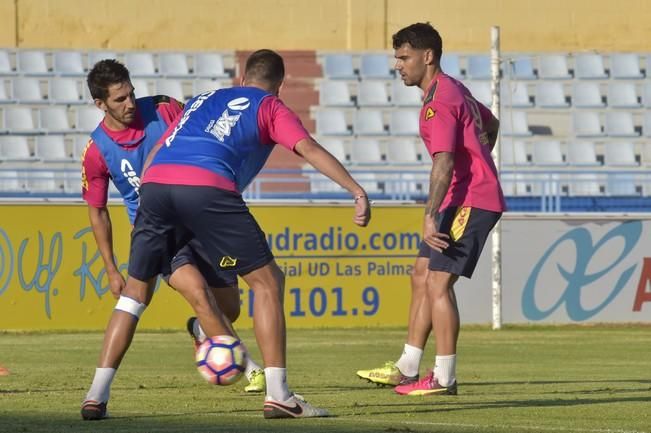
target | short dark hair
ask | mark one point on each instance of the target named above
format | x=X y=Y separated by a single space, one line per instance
x=421 y=36
x=104 y=74
x=265 y=66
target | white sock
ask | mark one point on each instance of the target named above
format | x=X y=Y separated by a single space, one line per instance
x=101 y=387
x=277 y=383
x=409 y=361
x=251 y=366
x=197 y=330
x=445 y=369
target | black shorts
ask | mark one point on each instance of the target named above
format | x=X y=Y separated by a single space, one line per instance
x=468 y=229
x=171 y=216
x=192 y=254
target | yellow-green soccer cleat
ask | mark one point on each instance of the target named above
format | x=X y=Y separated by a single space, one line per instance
x=389 y=374
x=257 y=382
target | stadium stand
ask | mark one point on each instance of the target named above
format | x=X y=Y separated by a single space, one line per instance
x=573 y=125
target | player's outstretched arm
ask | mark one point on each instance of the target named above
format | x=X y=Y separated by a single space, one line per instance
x=327 y=164
x=100 y=222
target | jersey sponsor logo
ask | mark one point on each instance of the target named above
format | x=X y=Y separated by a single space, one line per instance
x=222 y=127
x=429 y=113
x=130 y=174
x=227 y=262
x=460 y=222
x=239 y=104
x=194 y=107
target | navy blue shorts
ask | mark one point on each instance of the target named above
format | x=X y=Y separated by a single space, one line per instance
x=172 y=216
x=468 y=229
x=192 y=254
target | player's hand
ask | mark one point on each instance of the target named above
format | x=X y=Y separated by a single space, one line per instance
x=362 y=210
x=432 y=237
x=116 y=283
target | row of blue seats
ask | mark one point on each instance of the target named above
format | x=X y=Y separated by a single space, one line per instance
x=547 y=94
x=405 y=122
x=140 y=63
x=587 y=66
x=64 y=90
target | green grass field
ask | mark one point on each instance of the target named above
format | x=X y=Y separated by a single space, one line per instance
x=520 y=379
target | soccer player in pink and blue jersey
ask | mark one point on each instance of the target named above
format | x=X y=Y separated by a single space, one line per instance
x=465 y=202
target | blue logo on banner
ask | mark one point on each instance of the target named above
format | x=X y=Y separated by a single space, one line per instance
x=577 y=278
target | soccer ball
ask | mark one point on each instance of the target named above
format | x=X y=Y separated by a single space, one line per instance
x=221 y=359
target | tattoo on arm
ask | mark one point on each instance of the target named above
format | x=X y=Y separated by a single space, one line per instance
x=440 y=179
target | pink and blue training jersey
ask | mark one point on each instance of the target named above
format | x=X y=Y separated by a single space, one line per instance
x=224 y=138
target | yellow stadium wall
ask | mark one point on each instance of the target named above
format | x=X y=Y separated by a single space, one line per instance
x=8 y=27
x=527 y=25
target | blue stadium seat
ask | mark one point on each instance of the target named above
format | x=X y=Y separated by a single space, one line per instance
x=582 y=153
x=334 y=94
x=331 y=122
x=589 y=67
x=209 y=65
x=15 y=148
x=625 y=66
x=586 y=124
x=32 y=62
x=404 y=123
x=375 y=66
x=372 y=94
x=553 y=67
x=547 y=153
x=451 y=66
x=171 y=87
x=140 y=64
x=338 y=67
x=550 y=94
x=522 y=68
x=620 y=154
x=366 y=151
x=27 y=90
x=479 y=67
x=68 y=63
x=173 y=65
x=405 y=96
x=65 y=91
x=622 y=95
x=587 y=95
x=515 y=124
x=369 y=122
x=403 y=152
x=620 y=124
x=336 y=147
x=5 y=63
x=51 y=148
x=516 y=95
x=54 y=120
x=514 y=153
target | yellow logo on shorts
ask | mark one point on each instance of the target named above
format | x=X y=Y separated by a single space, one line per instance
x=461 y=218
x=429 y=113
x=227 y=262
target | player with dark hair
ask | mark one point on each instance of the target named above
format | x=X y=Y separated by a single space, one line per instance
x=192 y=190
x=117 y=151
x=465 y=202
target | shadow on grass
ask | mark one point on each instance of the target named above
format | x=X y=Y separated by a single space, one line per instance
x=200 y=423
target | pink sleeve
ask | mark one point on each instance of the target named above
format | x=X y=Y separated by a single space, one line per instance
x=169 y=111
x=279 y=125
x=94 y=176
x=440 y=129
